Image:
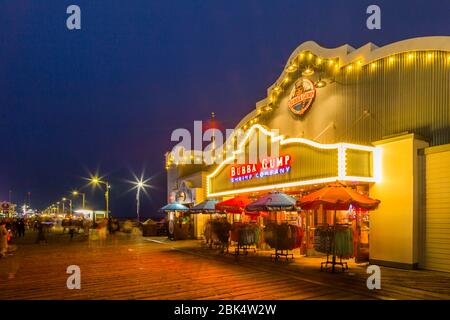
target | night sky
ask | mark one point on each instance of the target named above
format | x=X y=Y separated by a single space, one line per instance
x=106 y=98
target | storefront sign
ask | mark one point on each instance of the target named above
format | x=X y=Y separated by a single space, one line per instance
x=264 y=168
x=302 y=96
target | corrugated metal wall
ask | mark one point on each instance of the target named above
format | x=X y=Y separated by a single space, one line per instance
x=405 y=92
x=363 y=103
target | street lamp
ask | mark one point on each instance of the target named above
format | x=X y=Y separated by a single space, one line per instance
x=70 y=204
x=83 y=195
x=96 y=181
x=139 y=184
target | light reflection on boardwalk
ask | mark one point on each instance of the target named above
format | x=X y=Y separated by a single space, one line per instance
x=136 y=268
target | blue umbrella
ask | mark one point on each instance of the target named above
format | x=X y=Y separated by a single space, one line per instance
x=273 y=201
x=174 y=207
x=207 y=205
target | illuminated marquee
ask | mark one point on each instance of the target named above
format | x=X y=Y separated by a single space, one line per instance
x=346 y=156
x=266 y=167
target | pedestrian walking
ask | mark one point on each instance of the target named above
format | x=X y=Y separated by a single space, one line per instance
x=41 y=233
x=110 y=225
x=86 y=226
x=3 y=239
x=21 y=228
x=15 y=228
x=71 y=228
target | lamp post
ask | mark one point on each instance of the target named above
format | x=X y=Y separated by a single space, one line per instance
x=83 y=195
x=96 y=181
x=70 y=204
x=139 y=184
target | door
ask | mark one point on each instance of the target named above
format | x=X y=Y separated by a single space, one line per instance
x=437 y=209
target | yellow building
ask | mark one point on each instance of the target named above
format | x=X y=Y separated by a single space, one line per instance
x=374 y=118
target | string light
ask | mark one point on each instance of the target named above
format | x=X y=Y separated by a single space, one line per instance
x=292 y=68
x=308 y=72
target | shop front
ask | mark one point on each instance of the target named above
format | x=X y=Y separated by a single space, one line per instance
x=374 y=120
x=302 y=166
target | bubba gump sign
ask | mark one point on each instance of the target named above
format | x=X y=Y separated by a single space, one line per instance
x=266 y=167
x=302 y=96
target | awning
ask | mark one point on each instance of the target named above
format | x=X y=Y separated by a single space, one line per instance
x=174 y=207
x=208 y=205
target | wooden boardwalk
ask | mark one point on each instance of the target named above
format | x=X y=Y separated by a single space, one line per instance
x=138 y=268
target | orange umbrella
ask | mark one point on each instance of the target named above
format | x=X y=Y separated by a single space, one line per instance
x=234 y=205
x=337 y=197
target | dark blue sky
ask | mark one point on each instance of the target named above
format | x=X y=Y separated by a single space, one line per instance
x=108 y=97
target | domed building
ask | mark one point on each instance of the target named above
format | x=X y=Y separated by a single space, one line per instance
x=373 y=118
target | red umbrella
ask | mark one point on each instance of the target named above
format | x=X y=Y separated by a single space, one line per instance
x=234 y=205
x=337 y=197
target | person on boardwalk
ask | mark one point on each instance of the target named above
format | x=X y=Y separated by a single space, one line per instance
x=86 y=227
x=21 y=228
x=3 y=239
x=110 y=225
x=41 y=233
x=15 y=228
x=71 y=228
x=101 y=229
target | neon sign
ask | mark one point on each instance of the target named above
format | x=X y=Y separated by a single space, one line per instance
x=266 y=167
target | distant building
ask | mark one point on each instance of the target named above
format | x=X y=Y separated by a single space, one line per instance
x=7 y=209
